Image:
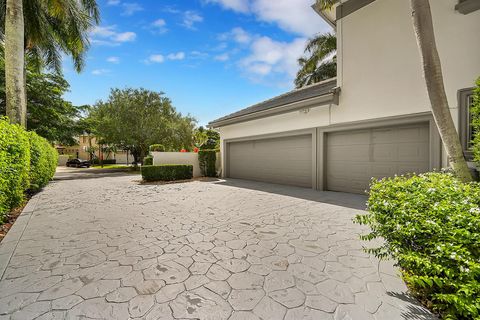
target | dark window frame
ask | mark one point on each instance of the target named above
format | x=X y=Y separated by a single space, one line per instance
x=465 y=97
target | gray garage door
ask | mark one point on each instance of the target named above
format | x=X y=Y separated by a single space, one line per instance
x=286 y=160
x=354 y=157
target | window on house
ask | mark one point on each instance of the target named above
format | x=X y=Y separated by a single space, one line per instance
x=465 y=102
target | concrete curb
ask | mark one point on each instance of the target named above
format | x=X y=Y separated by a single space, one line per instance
x=10 y=242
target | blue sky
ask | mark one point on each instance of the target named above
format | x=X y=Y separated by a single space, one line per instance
x=211 y=57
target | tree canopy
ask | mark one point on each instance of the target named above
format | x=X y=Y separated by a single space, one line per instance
x=49 y=114
x=134 y=119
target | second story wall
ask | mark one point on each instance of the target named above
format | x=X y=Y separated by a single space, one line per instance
x=379 y=68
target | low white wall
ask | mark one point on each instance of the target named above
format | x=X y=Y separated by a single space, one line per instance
x=182 y=158
x=62 y=159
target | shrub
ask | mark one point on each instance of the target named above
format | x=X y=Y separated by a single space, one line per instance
x=431 y=226
x=207 y=160
x=14 y=165
x=475 y=110
x=148 y=161
x=43 y=161
x=157 y=148
x=167 y=172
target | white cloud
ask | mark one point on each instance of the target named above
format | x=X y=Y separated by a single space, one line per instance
x=113 y=2
x=222 y=57
x=156 y=58
x=236 y=5
x=125 y=36
x=113 y=59
x=198 y=55
x=176 y=56
x=294 y=16
x=159 y=23
x=130 y=8
x=99 y=72
x=190 y=18
x=238 y=35
x=108 y=35
x=269 y=57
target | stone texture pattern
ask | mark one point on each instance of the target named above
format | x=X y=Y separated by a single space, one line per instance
x=109 y=248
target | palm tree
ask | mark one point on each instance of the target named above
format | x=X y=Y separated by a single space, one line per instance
x=432 y=72
x=320 y=61
x=43 y=30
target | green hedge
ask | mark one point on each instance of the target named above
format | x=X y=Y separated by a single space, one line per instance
x=105 y=161
x=43 y=161
x=431 y=224
x=26 y=161
x=148 y=161
x=14 y=165
x=167 y=172
x=207 y=160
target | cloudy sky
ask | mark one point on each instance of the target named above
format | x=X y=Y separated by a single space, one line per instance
x=211 y=57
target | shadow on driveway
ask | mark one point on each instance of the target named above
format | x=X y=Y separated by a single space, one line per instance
x=65 y=173
x=349 y=200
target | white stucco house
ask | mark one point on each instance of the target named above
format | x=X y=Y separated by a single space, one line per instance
x=374 y=119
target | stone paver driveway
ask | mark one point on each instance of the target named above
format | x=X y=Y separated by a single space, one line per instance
x=110 y=248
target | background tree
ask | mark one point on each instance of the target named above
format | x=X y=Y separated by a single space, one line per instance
x=432 y=72
x=319 y=62
x=134 y=119
x=42 y=30
x=49 y=115
x=202 y=136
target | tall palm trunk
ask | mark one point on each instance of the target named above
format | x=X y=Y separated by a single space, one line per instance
x=432 y=71
x=15 y=62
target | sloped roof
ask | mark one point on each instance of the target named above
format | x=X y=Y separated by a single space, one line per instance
x=297 y=95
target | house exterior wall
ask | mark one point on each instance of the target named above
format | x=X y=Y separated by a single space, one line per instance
x=379 y=69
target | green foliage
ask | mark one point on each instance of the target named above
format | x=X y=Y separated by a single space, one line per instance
x=137 y=118
x=207 y=160
x=431 y=226
x=156 y=148
x=14 y=165
x=319 y=62
x=105 y=161
x=475 y=112
x=167 y=172
x=148 y=161
x=43 y=161
x=49 y=115
x=206 y=138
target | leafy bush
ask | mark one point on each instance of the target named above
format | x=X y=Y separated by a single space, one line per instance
x=14 y=165
x=475 y=111
x=105 y=161
x=43 y=161
x=148 y=161
x=207 y=160
x=431 y=226
x=157 y=148
x=167 y=172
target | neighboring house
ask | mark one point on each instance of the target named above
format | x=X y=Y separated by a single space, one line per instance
x=81 y=150
x=374 y=119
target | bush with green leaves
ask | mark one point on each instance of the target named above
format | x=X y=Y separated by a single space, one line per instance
x=167 y=172
x=431 y=226
x=207 y=160
x=156 y=148
x=148 y=161
x=43 y=161
x=475 y=112
x=14 y=165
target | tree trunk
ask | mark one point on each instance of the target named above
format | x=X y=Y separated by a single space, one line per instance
x=432 y=72
x=15 y=62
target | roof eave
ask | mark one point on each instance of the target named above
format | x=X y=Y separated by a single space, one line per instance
x=325 y=99
x=316 y=7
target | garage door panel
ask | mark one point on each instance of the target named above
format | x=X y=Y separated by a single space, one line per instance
x=388 y=151
x=285 y=160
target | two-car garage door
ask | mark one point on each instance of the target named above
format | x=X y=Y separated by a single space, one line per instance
x=351 y=157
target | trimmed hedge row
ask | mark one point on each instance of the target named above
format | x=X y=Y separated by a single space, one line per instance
x=148 y=161
x=431 y=226
x=27 y=161
x=167 y=172
x=105 y=161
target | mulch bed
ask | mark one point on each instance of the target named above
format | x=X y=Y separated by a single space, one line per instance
x=9 y=220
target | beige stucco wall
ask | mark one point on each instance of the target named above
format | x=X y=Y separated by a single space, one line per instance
x=379 y=68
